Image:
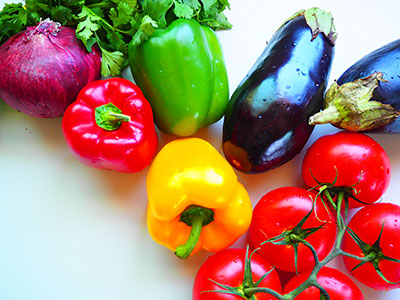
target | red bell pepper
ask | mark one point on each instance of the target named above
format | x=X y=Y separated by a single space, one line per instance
x=110 y=126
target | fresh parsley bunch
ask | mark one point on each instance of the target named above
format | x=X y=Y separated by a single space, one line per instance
x=112 y=24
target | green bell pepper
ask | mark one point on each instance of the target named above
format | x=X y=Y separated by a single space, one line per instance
x=181 y=71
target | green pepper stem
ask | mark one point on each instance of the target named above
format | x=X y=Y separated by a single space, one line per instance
x=183 y=251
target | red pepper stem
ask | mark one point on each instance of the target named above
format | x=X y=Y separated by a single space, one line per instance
x=118 y=117
x=183 y=251
x=109 y=117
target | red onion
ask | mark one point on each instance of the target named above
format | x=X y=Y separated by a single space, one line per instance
x=43 y=68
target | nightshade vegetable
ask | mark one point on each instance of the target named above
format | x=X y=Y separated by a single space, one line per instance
x=373 y=235
x=182 y=73
x=195 y=199
x=367 y=95
x=266 y=123
x=348 y=163
x=337 y=285
x=236 y=271
x=43 y=69
x=110 y=126
x=278 y=213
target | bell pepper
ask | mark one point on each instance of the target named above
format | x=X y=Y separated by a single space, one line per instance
x=182 y=73
x=194 y=199
x=110 y=126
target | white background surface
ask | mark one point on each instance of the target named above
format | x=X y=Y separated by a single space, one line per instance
x=68 y=231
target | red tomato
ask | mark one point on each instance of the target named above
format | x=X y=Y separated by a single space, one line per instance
x=281 y=210
x=226 y=267
x=367 y=224
x=355 y=158
x=337 y=284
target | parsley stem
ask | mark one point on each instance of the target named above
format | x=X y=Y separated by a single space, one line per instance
x=99 y=4
x=103 y=21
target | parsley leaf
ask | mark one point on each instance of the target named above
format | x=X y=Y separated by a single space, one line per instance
x=87 y=27
x=194 y=4
x=117 y=41
x=157 y=10
x=61 y=13
x=212 y=14
x=182 y=10
x=131 y=3
x=111 y=62
x=146 y=29
x=13 y=19
x=111 y=24
x=209 y=6
x=122 y=15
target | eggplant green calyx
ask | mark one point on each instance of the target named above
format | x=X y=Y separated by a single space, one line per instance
x=195 y=217
x=319 y=21
x=110 y=117
x=350 y=106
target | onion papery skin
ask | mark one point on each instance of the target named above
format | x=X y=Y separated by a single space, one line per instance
x=43 y=68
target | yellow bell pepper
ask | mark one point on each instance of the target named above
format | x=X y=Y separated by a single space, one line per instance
x=194 y=199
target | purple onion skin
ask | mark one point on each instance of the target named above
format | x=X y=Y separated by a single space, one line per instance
x=43 y=68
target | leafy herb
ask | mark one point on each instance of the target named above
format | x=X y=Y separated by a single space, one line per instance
x=13 y=19
x=112 y=24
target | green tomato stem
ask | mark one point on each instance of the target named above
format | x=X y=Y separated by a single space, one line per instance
x=255 y=290
x=328 y=196
x=360 y=258
x=339 y=220
x=312 y=279
x=319 y=264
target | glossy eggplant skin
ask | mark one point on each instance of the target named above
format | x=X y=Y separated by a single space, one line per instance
x=387 y=61
x=266 y=122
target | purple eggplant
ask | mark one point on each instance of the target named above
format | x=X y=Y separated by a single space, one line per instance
x=366 y=97
x=266 y=122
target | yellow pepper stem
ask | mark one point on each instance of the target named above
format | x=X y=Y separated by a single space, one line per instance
x=196 y=217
